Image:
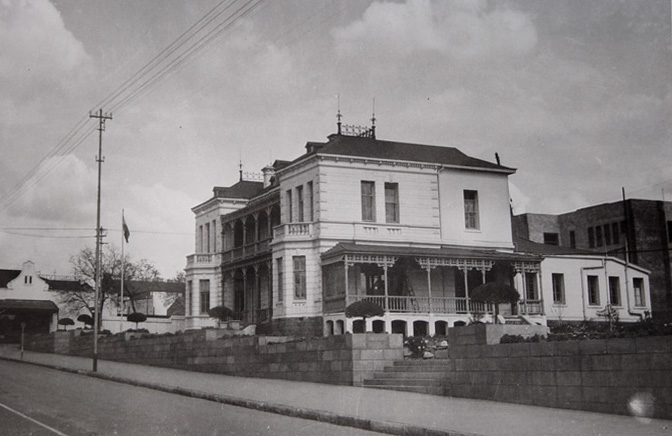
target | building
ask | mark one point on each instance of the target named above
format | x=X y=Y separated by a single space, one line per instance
x=29 y=299
x=414 y=228
x=636 y=231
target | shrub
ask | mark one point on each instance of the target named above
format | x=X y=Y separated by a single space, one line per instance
x=494 y=293
x=65 y=322
x=417 y=345
x=514 y=339
x=86 y=319
x=137 y=317
x=363 y=309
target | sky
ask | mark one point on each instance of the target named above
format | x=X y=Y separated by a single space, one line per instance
x=576 y=95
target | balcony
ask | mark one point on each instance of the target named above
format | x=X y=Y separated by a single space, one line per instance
x=204 y=260
x=249 y=250
x=293 y=231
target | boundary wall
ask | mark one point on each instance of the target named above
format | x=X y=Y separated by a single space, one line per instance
x=343 y=359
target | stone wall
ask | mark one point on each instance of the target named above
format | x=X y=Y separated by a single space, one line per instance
x=342 y=359
x=630 y=376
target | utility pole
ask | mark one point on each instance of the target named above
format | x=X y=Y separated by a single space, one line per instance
x=99 y=234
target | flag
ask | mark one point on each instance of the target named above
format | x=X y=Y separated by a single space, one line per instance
x=127 y=232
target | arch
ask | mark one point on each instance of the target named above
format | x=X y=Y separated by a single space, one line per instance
x=262 y=224
x=339 y=327
x=359 y=326
x=399 y=326
x=441 y=328
x=420 y=328
x=459 y=324
x=378 y=326
x=330 y=328
x=238 y=230
x=250 y=230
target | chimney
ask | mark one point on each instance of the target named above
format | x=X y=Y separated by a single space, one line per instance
x=268 y=172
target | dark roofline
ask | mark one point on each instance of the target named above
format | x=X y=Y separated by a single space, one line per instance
x=7 y=275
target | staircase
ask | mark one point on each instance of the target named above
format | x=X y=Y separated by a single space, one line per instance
x=429 y=376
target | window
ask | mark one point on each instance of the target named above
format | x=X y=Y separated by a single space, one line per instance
x=311 y=212
x=299 y=205
x=187 y=298
x=591 y=237
x=289 y=206
x=200 y=239
x=607 y=234
x=368 y=201
x=204 y=291
x=638 y=287
x=28 y=280
x=614 y=291
x=281 y=279
x=593 y=291
x=615 y=234
x=558 y=288
x=551 y=239
x=598 y=236
x=207 y=237
x=572 y=238
x=214 y=236
x=531 y=286
x=391 y=202
x=299 y=277
x=471 y=209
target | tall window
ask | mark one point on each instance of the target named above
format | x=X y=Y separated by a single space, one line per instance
x=593 y=290
x=290 y=216
x=607 y=234
x=391 y=202
x=368 y=201
x=614 y=291
x=558 y=288
x=187 y=298
x=214 y=236
x=471 y=209
x=299 y=277
x=299 y=205
x=638 y=287
x=598 y=236
x=531 y=286
x=204 y=291
x=311 y=212
x=615 y=234
x=200 y=239
x=572 y=238
x=281 y=279
x=207 y=237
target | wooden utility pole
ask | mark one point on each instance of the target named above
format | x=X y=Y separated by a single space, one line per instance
x=99 y=234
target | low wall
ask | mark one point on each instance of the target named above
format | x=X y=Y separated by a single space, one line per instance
x=343 y=359
x=630 y=376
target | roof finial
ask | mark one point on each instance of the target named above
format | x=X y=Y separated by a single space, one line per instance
x=240 y=169
x=338 y=115
x=373 y=120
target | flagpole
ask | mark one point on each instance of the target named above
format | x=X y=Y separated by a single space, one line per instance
x=121 y=292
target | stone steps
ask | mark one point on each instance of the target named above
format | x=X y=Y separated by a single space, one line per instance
x=410 y=375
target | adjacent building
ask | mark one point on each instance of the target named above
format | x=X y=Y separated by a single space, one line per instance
x=637 y=231
x=412 y=227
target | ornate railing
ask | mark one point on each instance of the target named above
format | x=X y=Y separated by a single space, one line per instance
x=413 y=304
x=293 y=230
x=530 y=307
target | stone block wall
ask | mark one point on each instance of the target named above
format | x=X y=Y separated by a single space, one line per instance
x=342 y=359
x=630 y=376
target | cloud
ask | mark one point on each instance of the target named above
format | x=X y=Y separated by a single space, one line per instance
x=460 y=30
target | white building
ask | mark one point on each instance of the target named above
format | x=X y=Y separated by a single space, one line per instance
x=411 y=227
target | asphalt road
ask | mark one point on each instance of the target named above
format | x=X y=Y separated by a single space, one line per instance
x=39 y=401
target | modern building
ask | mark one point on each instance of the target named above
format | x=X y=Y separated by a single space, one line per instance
x=637 y=231
x=411 y=227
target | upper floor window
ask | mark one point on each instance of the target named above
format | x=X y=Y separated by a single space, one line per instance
x=593 y=290
x=281 y=279
x=591 y=237
x=391 y=202
x=368 y=201
x=615 y=234
x=598 y=236
x=290 y=215
x=207 y=237
x=299 y=277
x=551 y=239
x=299 y=203
x=311 y=213
x=572 y=238
x=558 y=288
x=28 y=280
x=471 y=209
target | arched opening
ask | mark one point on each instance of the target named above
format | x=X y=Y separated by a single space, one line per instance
x=420 y=328
x=378 y=326
x=441 y=328
x=330 y=328
x=459 y=324
x=399 y=326
x=339 y=327
x=359 y=326
x=262 y=223
x=238 y=234
x=250 y=230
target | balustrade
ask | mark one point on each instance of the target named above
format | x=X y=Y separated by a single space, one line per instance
x=415 y=304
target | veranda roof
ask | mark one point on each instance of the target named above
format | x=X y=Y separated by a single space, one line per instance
x=46 y=305
x=343 y=248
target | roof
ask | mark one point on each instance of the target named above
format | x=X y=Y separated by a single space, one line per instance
x=29 y=305
x=139 y=287
x=526 y=246
x=442 y=252
x=379 y=149
x=67 y=285
x=7 y=275
x=243 y=189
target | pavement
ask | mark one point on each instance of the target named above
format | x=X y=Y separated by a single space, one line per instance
x=390 y=412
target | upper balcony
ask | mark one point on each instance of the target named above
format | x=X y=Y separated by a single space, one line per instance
x=204 y=260
x=293 y=232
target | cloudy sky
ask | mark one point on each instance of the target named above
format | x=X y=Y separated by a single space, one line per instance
x=574 y=94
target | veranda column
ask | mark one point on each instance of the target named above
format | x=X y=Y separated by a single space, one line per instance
x=430 y=314
x=466 y=289
x=387 y=305
x=244 y=221
x=541 y=290
x=524 y=275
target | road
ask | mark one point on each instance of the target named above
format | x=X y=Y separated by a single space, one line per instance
x=38 y=401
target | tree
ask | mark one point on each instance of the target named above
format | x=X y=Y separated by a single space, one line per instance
x=494 y=293
x=137 y=317
x=363 y=309
x=84 y=269
x=220 y=313
x=86 y=319
x=65 y=322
